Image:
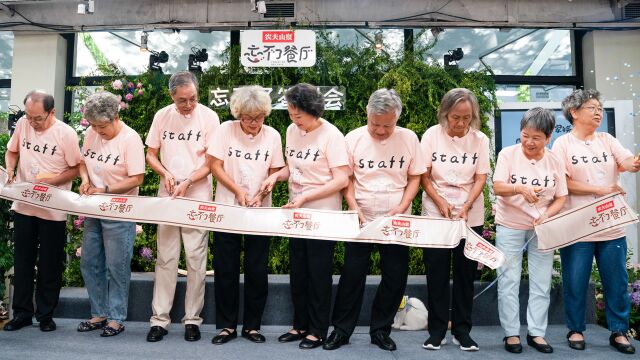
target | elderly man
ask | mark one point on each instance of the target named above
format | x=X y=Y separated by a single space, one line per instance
x=179 y=133
x=45 y=150
x=387 y=163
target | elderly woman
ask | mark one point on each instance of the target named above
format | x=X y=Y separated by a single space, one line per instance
x=593 y=161
x=113 y=164
x=530 y=185
x=457 y=160
x=317 y=169
x=245 y=152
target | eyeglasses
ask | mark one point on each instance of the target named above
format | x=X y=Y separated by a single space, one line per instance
x=40 y=118
x=592 y=109
x=252 y=119
x=183 y=102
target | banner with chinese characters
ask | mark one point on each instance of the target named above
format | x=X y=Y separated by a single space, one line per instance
x=302 y=223
x=278 y=48
x=334 y=97
x=578 y=224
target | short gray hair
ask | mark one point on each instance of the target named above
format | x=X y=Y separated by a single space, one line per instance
x=182 y=78
x=577 y=99
x=101 y=107
x=539 y=119
x=250 y=100
x=451 y=99
x=383 y=101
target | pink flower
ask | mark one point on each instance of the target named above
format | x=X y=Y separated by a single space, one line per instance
x=79 y=252
x=116 y=85
x=139 y=86
x=130 y=85
x=141 y=91
x=78 y=222
x=84 y=122
x=128 y=97
x=138 y=229
x=600 y=305
x=123 y=105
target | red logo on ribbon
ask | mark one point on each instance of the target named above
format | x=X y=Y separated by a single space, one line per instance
x=207 y=208
x=40 y=188
x=278 y=36
x=301 y=216
x=119 y=200
x=401 y=223
x=606 y=206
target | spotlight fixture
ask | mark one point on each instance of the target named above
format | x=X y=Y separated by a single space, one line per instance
x=14 y=115
x=435 y=31
x=157 y=58
x=451 y=59
x=196 y=57
x=144 y=38
x=378 y=41
x=258 y=6
x=86 y=7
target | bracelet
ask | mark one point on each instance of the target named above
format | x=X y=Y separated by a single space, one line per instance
x=106 y=188
x=190 y=182
x=514 y=189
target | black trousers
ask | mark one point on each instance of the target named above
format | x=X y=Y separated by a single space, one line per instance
x=37 y=242
x=311 y=283
x=395 y=268
x=438 y=266
x=226 y=263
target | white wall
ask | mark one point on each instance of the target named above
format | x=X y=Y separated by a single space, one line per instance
x=612 y=65
x=39 y=62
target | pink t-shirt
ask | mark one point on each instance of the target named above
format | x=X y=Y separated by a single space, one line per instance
x=182 y=141
x=594 y=162
x=111 y=161
x=513 y=167
x=247 y=159
x=310 y=157
x=454 y=162
x=42 y=155
x=381 y=168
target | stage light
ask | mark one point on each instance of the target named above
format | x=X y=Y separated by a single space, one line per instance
x=157 y=58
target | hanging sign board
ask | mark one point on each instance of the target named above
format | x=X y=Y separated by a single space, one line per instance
x=278 y=48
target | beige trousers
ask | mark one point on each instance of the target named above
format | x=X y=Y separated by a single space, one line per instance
x=195 y=247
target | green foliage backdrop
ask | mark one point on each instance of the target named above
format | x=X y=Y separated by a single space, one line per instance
x=359 y=69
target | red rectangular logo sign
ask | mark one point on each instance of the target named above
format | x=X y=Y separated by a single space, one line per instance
x=40 y=188
x=119 y=200
x=401 y=223
x=278 y=36
x=207 y=208
x=606 y=206
x=301 y=216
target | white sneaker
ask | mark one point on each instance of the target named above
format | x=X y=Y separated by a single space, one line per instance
x=467 y=343
x=431 y=343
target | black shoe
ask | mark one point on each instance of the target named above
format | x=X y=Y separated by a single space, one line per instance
x=255 y=337
x=335 y=341
x=191 y=332
x=90 y=326
x=434 y=343
x=512 y=348
x=289 y=337
x=383 y=341
x=109 y=331
x=307 y=343
x=465 y=342
x=156 y=333
x=623 y=348
x=47 y=325
x=17 y=323
x=576 y=344
x=543 y=348
x=224 y=336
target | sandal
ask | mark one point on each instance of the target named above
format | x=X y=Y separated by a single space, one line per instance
x=90 y=326
x=224 y=336
x=110 y=331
